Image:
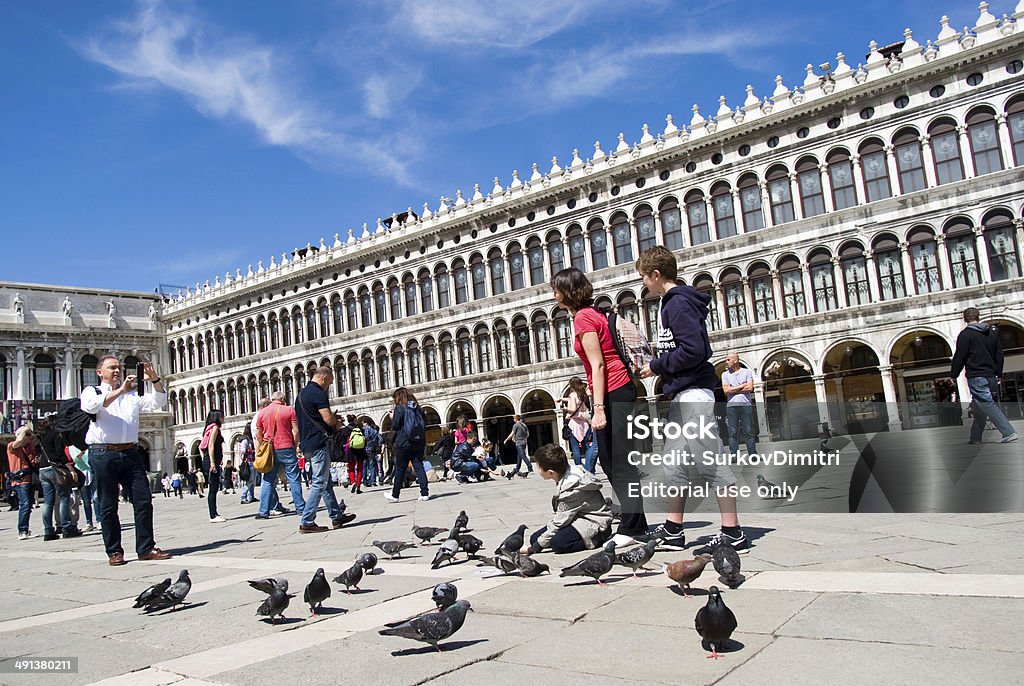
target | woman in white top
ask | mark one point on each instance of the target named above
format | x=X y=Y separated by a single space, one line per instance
x=581 y=435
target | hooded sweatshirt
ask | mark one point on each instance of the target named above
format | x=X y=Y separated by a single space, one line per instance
x=580 y=504
x=979 y=351
x=683 y=347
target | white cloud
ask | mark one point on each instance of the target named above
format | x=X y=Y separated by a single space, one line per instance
x=383 y=92
x=498 y=23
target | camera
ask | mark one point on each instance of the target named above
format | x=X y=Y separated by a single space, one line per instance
x=140 y=378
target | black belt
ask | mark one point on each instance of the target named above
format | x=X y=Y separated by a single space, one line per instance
x=115 y=446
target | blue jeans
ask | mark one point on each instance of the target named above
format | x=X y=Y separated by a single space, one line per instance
x=739 y=416
x=50 y=492
x=983 y=394
x=24 y=492
x=88 y=493
x=404 y=457
x=470 y=468
x=320 y=487
x=371 y=469
x=115 y=468
x=284 y=460
x=249 y=488
x=522 y=459
x=584 y=453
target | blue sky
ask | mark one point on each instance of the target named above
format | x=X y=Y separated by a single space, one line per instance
x=166 y=142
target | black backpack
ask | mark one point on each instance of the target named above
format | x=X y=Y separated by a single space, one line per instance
x=72 y=422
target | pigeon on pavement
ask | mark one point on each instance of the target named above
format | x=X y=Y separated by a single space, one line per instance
x=434 y=627
x=528 y=566
x=174 y=595
x=350 y=577
x=636 y=558
x=512 y=544
x=727 y=564
x=367 y=561
x=714 y=622
x=614 y=507
x=470 y=543
x=774 y=492
x=461 y=521
x=317 y=591
x=501 y=562
x=444 y=595
x=152 y=592
x=446 y=552
x=594 y=566
x=393 y=548
x=425 y=533
x=275 y=604
x=685 y=572
x=269 y=584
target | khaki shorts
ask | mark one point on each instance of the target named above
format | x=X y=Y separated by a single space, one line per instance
x=694 y=407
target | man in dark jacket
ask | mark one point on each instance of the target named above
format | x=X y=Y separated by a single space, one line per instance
x=979 y=352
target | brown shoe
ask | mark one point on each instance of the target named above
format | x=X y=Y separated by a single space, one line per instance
x=155 y=554
x=345 y=519
x=312 y=529
x=116 y=560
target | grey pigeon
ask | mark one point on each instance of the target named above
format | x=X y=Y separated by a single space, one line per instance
x=636 y=558
x=425 y=533
x=685 y=572
x=434 y=627
x=461 y=521
x=470 y=543
x=393 y=548
x=350 y=577
x=317 y=591
x=444 y=595
x=614 y=507
x=513 y=543
x=502 y=562
x=274 y=605
x=174 y=595
x=269 y=584
x=529 y=567
x=446 y=552
x=595 y=566
x=714 y=622
x=774 y=491
x=154 y=591
x=727 y=564
x=368 y=561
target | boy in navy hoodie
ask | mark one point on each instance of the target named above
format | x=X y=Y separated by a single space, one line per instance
x=682 y=361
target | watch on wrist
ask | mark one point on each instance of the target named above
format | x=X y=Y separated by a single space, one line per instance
x=156 y=380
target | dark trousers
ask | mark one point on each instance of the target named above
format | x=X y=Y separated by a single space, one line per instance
x=409 y=456
x=567 y=540
x=612 y=449
x=213 y=483
x=114 y=469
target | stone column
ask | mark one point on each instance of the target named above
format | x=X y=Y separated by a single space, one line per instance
x=764 y=434
x=822 y=397
x=858 y=179
x=928 y=162
x=904 y=404
x=718 y=306
x=737 y=217
x=942 y=256
x=981 y=254
x=780 y=304
x=826 y=189
x=965 y=153
x=805 y=272
x=21 y=376
x=840 y=283
x=1005 y=143
x=588 y=259
x=840 y=418
x=909 y=280
x=766 y=205
x=889 y=391
x=634 y=240
x=873 y=285
x=709 y=213
x=794 y=192
x=748 y=300
x=894 y=172
x=69 y=373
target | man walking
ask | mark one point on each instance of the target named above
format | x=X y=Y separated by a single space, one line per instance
x=316 y=422
x=738 y=386
x=114 y=453
x=276 y=423
x=979 y=352
x=520 y=433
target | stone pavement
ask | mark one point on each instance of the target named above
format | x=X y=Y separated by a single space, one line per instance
x=829 y=598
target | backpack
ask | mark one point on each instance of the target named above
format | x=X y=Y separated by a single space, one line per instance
x=632 y=347
x=356 y=440
x=244 y=470
x=72 y=422
x=413 y=426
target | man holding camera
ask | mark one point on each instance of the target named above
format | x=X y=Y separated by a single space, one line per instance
x=114 y=453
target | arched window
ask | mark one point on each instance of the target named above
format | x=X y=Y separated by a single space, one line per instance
x=461 y=282
x=732 y=293
x=261 y=335
x=337 y=314
x=671 y=224
x=646 y=236
x=725 y=211
x=961 y=244
x=447 y=355
x=86 y=376
x=981 y=131
x=503 y=344
x=365 y=307
x=430 y=355
x=496 y=264
x=840 y=174
x=275 y=338
x=855 y=274
x=1015 y=121
x=192 y=347
x=577 y=247
x=311 y=332
x=465 y=346
x=232 y=405
x=555 y=253
x=780 y=194
x=355 y=377
x=876 y=173
x=1001 y=245
x=792 y=282
x=275 y=379
x=201 y=350
x=521 y=333
x=812 y=196
x=563 y=333
x=340 y=377
x=297 y=320
x=287 y=385
x=945 y=144
x=351 y=312
x=380 y=303
x=627 y=308
x=415 y=363
x=426 y=290
x=535 y=253
x=409 y=286
x=697 y=217
x=250 y=337
x=889 y=263
x=483 y=348
x=761 y=291
x=325 y=318
x=924 y=260
x=384 y=369
x=706 y=285
x=370 y=380
x=181 y=350
x=394 y=299
x=542 y=337
x=219 y=340
x=598 y=244
x=397 y=365
x=621 y=239
x=443 y=286
x=750 y=202
x=652 y=306
x=516 y=267
x=909 y=165
x=823 y=280
x=479 y=276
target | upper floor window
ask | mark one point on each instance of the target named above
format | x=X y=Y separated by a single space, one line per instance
x=461 y=282
x=750 y=202
x=555 y=252
x=823 y=281
x=792 y=283
x=497 y=266
x=697 y=216
x=735 y=305
x=812 y=196
x=763 y=296
x=981 y=131
x=706 y=285
x=426 y=290
x=855 y=274
x=394 y=299
x=725 y=211
x=961 y=244
x=780 y=194
x=598 y=245
x=411 y=293
x=671 y=225
x=909 y=164
x=479 y=273
x=1015 y=122
x=443 y=291
x=840 y=173
x=535 y=254
x=646 y=236
x=889 y=263
x=945 y=144
x=621 y=240
x=924 y=261
x=516 y=267
x=577 y=248
x=1001 y=246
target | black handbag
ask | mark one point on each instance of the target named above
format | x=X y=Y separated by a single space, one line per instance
x=61 y=477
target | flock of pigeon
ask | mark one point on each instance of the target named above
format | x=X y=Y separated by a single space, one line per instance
x=714 y=622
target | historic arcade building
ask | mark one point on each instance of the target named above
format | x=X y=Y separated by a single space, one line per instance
x=840 y=226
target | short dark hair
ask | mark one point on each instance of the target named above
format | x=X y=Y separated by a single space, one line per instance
x=576 y=289
x=99 y=362
x=324 y=371
x=552 y=458
x=971 y=314
x=659 y=258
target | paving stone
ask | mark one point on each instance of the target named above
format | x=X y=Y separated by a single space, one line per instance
x=534 y=598
x=501 y=672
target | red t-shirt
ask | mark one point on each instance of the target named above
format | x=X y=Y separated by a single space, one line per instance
x=590 y=319
x=282 y=433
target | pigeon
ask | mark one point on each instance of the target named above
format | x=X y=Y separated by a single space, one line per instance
x=512 y=544
x=393 y=548
x=269 y=584
x=470 y=543
x=444 y=595
x=425 y=533
x=173 y=596
x=317 y=591
x=594 y=566
x=461 y=521
x=528 y=566
x=714 y=622
x=616 y=510
x=274 y=605
x=433 y=627
x=367 y=561
x=772 y=491
x=501 y=562
x=350 y=577
x=446 y=552
x=636 y=558
x=685 y=572
x=152 y=592
x=727 y=564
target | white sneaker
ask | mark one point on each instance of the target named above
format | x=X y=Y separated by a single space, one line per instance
x=390 y=498
x=622 y=540
x=90 y=528
x=217 y=519
x=424 y=497
x=24 y=535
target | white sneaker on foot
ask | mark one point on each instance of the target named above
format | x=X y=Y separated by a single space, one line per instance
x=24 y=535
x=424 y=497
x=217 y=519
x=390 y=498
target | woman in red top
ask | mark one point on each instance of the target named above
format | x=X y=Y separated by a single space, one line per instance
x=610 y=386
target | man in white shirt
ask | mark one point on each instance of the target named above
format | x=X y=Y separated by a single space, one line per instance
x=114 y=453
